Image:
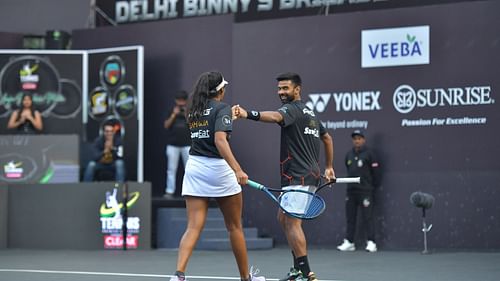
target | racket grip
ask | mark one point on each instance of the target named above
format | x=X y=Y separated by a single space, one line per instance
x=348 y=180
x=255 y=184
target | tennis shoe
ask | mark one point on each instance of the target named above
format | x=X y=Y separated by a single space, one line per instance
x=310 y=277
x=292 y=275
x=255 y=271
x=371 y=246
x=178 y=277
x=347 y=246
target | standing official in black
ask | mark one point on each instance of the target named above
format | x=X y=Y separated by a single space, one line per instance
x=361 y=162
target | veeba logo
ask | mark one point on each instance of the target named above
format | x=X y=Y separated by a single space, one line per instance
x=410 y=47
x=395 y=46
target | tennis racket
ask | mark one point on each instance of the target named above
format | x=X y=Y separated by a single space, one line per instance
x=301 y=203
x=338 y=180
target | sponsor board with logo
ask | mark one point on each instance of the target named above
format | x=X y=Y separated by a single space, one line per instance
x=54 y=80
x=77 y=92
x=114 y=99
x=395 y=46
x=130 y=11
x=78 y=216
x=114 y=223
x=407 y=99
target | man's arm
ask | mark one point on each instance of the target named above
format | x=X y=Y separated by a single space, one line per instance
x=263 y=116
x=170 y=120
x=328 y=142
x=117 y=148
x=98 y=148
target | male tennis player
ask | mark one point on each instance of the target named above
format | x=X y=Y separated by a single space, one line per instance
x=301 y=135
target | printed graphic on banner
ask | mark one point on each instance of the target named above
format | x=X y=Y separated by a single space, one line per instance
x=98 y=103
x=348 y=101
x=17 y=168
x=39 y=159
x=38 y=77
x=13 y=170
x=125 y=101
x=28 y=77
x=407 y=100
x=112 y=71
x=130 y=11
x=395 y=46
x=112 y=221
x=113 y=99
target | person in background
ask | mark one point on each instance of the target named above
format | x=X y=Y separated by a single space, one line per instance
x=361 y=162
x=26 y=120
x=179 y=141
x=108 y=154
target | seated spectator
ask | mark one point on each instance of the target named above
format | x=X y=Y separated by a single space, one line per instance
x=26 y=120
x=108 y=150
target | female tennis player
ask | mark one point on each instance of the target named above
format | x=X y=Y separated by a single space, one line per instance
x=212 y=172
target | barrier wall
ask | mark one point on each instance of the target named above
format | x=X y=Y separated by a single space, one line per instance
x=3 y=215
x=39 y=158
x=76 y=216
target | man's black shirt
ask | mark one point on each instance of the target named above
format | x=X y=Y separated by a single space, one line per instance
x=300 y=145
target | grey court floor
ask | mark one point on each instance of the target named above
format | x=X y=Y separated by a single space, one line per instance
x=329 y=264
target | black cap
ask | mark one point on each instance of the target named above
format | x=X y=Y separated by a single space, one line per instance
x=181 y=95
x=357 y=132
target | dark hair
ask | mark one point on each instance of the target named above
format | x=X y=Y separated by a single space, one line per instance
x=203 y=90
x=29 y=96
x=32 y=107
x=294 y=77
x=181 y=95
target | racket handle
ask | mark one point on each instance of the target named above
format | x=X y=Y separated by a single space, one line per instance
x=255 y=185
x=348 y=180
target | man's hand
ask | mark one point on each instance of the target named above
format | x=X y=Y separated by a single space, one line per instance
x=330 y=174
x=177 y=110
x=108 y=145
x=238 y=112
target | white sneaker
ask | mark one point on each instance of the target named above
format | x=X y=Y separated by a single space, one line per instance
x=371 y=246
x=346 y=246
x=175 y=278
x=255 y=271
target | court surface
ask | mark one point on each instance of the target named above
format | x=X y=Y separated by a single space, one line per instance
x=329 y=264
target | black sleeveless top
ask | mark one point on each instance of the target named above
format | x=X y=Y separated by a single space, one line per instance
x=27 y=127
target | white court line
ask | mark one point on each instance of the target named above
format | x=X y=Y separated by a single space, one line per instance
x=126 y=274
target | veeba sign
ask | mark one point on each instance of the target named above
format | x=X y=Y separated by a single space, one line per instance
x=395 y=46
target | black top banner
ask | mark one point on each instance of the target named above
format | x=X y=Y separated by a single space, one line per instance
x=133 y=11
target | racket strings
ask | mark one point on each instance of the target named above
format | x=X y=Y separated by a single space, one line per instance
x=302 y=204
x=315 y=207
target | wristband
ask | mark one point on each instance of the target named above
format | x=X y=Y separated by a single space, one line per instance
x=253 y=115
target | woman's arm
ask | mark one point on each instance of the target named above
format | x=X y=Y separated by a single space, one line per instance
x=37 y=121
x=225 y=151
x=12 y=124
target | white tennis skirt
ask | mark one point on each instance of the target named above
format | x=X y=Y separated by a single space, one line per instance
x=209 y=177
